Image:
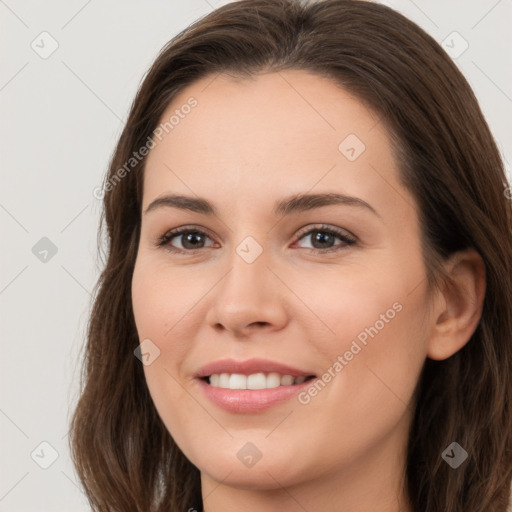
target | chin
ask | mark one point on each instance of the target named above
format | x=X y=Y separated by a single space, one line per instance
x=272 y=471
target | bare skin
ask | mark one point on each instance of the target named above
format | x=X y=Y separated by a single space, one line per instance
x=247 y=144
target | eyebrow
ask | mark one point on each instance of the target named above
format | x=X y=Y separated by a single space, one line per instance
x=286 y=206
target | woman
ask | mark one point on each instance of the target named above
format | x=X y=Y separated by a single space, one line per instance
x=232 y=367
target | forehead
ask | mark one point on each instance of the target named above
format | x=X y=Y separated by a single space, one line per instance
x=276 y=133
x=256 y=109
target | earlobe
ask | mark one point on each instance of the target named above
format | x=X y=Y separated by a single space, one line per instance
x=460 y=309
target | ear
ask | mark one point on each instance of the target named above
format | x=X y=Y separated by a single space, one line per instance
x=459 y=306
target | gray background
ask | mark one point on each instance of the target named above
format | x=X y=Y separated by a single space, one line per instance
x=61 y=116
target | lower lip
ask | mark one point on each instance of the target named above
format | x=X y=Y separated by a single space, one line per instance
x=250 y=400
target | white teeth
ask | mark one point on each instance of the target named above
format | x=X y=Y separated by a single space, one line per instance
x=273 y=380
x=256 y=381
x=253 y=381
x=223 y=380
x=237 y=381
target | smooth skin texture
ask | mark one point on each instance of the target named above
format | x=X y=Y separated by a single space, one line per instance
x=247 y=144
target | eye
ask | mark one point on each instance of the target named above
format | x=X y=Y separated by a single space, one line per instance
x=323 y=237
x=189 y=237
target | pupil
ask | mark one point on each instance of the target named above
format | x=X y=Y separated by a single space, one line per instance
x=322 y=237
x=190 y=238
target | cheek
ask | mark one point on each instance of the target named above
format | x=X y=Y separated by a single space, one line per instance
x=376 y=343
x=366 y=389
x=382 y=306
x=161 y=298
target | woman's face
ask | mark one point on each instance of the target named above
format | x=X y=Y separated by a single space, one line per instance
x=331 y=288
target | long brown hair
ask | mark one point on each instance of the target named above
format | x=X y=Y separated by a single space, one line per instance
x=447 y=158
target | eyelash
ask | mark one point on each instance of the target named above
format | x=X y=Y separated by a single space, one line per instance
x=164 y=240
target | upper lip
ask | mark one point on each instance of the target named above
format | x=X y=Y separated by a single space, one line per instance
x=249 y=367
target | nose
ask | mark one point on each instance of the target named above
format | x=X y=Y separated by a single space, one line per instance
x=249 y=299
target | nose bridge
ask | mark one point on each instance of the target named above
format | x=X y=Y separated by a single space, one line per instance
x=249 y=274
x=247 y=294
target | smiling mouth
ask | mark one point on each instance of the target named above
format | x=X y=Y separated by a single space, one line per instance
x=254 y=381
